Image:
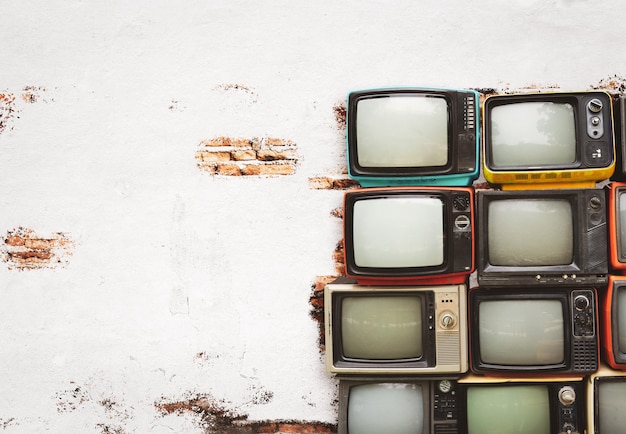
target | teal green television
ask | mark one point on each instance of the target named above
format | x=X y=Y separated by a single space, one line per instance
x=413 y=136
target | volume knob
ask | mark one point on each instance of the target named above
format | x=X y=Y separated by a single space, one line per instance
x=595 y=105
x=567 y=395
x=448 y=320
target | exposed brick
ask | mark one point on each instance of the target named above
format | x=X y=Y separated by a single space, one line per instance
x=23 y=249
x=269 y=169
x=228 y=170
x=217 y=157
x=273 y=155
x=274 y=141
x=226 y=141
x=320 y=183
x=244 y=155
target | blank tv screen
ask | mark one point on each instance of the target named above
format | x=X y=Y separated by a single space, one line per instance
x=530 y=232
x=379 y=408
x=533 y=134
x=382 y=328
x=508 y=409
x=621 y=319
x=521 y=332
x=611 y=414
x=402 y=131
x=398 y=232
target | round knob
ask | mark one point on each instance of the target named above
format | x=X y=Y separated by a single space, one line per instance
x=595 y=105
x=567 y=395
x=445 y=386
x=581 y=302
x=595 y=202
x=448 y=320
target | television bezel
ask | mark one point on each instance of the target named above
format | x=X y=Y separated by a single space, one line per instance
x=463 y=141
x=564 y=368
x=618 y=257
x=604 y=374
x=619 y=123
x=435 y=300
x=554 y=385
x=609 y=328
x=590 y=241
x=576 y=174
x=447 y=273
x=432 y=393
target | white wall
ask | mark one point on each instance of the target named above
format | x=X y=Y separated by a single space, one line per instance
x=180 y=284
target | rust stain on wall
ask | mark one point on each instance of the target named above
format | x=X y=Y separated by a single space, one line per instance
x=215 y=418
x=7 y=110
x=339 y=110
x=612 y=84
x=23 y=249
x=266 y=156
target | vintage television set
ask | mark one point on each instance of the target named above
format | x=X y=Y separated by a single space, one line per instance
x=542 y=237
x=616 y=192
x=518 y=406
x=619 y=116
x=537 y=140
x=409 y=235
x=395 y=329
x=533 y=331
x=606 y=395
x=375 y=405
x=413 y=136
x=613 y=323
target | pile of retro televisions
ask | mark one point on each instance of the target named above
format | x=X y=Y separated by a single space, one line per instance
x=414 y=348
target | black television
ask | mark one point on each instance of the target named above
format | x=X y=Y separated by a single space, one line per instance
x=397 y=405
x=413 y=136
x=606 y=395
x=409 y=235
x=533 y=331
x=542 y=237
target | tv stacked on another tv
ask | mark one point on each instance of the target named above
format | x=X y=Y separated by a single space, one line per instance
x=396 y=324
x=403 y=330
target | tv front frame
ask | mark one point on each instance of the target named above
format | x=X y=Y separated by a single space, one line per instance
x=612 y=319
x=439 y=409
x=619 y=120
x=462 y=166
x=617 y=229
x=457 y=238
x=594 y=158
x=580 y=332
x=589 y=265
x=603 y=375
x=566 y=401
x=444 y=330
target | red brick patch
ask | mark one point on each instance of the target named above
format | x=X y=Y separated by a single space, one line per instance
x=23 y=249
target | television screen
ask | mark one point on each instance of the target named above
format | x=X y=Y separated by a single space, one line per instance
x=550 y=236
x=412 y=136
x=533 y=331
x=531 y=232
x=522 y=332
x=408 y=130
x=386 y=408
x=398 y=232
x=409 y=235
x=534 y=139
x=395 y=329
x=382 y=327
x=508 y=409
x=611 y=396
